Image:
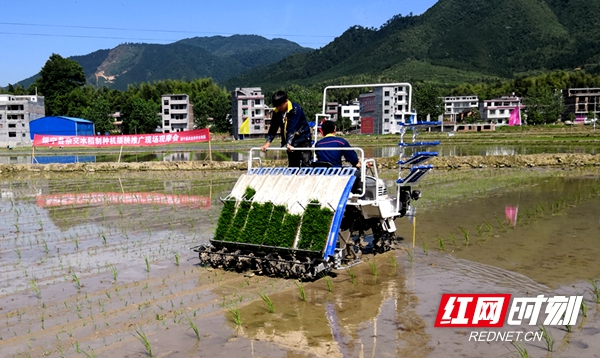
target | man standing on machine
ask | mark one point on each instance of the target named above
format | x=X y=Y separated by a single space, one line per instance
x=295 y=132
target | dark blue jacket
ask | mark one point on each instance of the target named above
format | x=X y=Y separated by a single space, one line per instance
x=297 y=130
x=335 y=156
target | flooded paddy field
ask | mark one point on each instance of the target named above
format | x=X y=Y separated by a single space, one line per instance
x=97 y=264
x=227 y=154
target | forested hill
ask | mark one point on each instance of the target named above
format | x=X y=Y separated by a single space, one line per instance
x=217 y=57
x=454 y=41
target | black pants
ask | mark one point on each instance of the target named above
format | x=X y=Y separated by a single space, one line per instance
x=299 y=158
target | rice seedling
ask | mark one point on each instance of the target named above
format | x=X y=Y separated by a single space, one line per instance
x=501 y=223
x=547 y=336
x=18 y=252
x=268 y=302
x=393 y=260
x=373 y=267
x=479 y=229
x=425 y=248
x=595 y=291
x=76 y=280
x=584 y=308
x=441 y=243
x=488 y=226
x=465 y=234
x=141 y=336
x=301 y=290
x=147 y=260
x=234 y=311
x=192 y=326
x=177 y=259
x=521 y=351
x=113 y=269
x=351 y=274
x=329 y=283
x=35 y=288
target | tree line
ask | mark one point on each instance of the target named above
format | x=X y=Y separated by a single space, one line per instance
x=62 y=83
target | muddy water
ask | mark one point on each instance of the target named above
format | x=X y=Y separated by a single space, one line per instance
x=89 y=262
x=555 y=239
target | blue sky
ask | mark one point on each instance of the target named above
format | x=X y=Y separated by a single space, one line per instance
x=30 y=31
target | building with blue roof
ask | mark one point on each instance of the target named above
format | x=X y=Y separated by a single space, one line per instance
x=60 y=125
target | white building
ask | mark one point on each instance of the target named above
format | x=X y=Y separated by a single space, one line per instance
x=455 y=106
x=383 y=110
x=250 y=115
x=351 y=110
x=498 y=110
x=15 y=114
x=177 y=113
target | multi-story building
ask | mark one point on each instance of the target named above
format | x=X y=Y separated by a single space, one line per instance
x=497 y=110
x=250 y=115
x=15 y=114
x=582 y=101
x=457 y=106
x=351 y=110
x=332 y=110
x=177 y=113
x=384 y=109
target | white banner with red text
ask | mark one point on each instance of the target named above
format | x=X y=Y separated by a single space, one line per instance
x=154 y=139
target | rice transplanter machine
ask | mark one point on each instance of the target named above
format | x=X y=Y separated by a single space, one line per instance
x=305 y=222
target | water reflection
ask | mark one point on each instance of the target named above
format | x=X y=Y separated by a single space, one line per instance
x=142 y=198
x=371 y=317
x=64 y=159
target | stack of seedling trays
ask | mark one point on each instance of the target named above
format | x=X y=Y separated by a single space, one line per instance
x=281 y=222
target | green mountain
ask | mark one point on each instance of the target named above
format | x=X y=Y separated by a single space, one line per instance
x=217 y=57
x=454 y=41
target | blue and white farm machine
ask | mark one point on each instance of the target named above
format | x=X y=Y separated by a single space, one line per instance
x=305 y=222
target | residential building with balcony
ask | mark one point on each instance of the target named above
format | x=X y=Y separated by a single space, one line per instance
x=250 y=117
x=15 y=114
x=177 y=113
x=456 y=107
x=497 y=110
x=384 y=109
x=582 y=101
